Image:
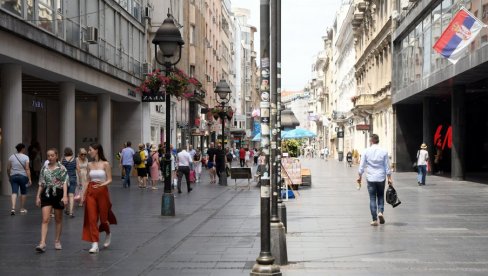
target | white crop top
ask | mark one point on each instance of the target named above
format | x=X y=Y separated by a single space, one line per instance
x=98 y=175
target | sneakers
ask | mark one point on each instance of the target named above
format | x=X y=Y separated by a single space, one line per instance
x=12 y=212
x=23 y=211
x=108 y=239
x=381 y=218
x=41 y=248
x=94 y=248
x=374 y=223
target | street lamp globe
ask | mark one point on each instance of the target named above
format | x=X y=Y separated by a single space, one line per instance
x=168 y=38
x=223 y=91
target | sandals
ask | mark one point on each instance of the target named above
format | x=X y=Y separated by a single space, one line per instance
x=57 y=246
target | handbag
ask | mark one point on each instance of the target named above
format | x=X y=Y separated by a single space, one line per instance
x=78 y=192
x=192 y=176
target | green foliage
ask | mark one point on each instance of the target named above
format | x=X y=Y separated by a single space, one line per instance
x=292 y=146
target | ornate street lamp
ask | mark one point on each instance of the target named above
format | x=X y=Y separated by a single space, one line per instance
x=223 y=92
x=168 y=39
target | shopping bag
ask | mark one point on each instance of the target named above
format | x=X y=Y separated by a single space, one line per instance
x=192 y=176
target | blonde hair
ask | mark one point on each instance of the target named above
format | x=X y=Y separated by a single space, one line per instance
x=82 y=151
x=141 y=146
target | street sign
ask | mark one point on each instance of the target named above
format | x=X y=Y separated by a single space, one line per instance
x=362 y=127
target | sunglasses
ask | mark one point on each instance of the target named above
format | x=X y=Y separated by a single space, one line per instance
x=82 y=153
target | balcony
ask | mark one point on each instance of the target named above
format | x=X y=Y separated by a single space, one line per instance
x=363 y=101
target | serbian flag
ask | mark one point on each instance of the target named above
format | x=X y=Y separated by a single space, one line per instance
x=462 y=30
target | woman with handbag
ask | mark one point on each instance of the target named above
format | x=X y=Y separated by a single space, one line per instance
x=69 y=162
x=18 y=171
x=82 y=162
x=197 y=165
x=154 y=169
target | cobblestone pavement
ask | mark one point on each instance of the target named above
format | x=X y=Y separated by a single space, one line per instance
x=439 y=229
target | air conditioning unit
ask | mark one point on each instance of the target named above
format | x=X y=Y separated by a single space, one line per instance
x=92 y=35
x=146 y=68
x=147 y=12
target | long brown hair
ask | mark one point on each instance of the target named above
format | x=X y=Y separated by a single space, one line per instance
x=99 y=148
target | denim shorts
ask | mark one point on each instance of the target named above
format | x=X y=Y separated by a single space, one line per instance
x=19 y=181
x=72 y=186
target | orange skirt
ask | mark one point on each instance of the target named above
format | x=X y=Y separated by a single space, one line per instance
x=98 y=208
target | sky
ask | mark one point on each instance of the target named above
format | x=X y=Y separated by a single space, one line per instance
x=304 y=23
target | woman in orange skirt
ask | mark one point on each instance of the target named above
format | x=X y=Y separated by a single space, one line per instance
x=97 y=200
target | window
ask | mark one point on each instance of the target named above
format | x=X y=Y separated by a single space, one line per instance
x=192 y=34
x=192 y=71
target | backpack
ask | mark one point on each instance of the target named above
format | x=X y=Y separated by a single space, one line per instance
x=196 y=157
x=149 y=160
x=137 y=158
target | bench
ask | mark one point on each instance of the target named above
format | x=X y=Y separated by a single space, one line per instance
x=241 y=173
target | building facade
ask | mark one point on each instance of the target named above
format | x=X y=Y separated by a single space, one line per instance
x=436 y=102
x=67 y=74
x=373 y=111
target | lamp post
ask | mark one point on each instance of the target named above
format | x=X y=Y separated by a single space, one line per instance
x=168 y=39
x=223 y=91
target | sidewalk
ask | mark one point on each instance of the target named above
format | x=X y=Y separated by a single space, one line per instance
x=439 y=229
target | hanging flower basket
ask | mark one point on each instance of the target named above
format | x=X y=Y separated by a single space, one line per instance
x=229 y=113
x=156 y=84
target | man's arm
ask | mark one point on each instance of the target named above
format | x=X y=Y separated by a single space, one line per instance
x=387 y=169
x=361 y=166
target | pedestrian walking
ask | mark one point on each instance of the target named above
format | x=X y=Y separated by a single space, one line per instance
x=192 y=153
x=255 y=156
x=52 y=194
x=376 y=163
x=326 y=153
x=19 y=175
x=141 y=167
x=220 y=157
x=247 y=157
x=82 y=177
x=211 y=152
x=154 y=169
x=242 y=157
x=69 y=162
x=183 y=161
x=197 y=165
x=98 y=207
x=422 y=159
x=127 y=161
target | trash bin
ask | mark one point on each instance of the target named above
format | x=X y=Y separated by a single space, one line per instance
x=341 y=155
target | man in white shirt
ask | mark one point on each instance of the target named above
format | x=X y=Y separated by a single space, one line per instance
x=375 y=160
x=183 y=160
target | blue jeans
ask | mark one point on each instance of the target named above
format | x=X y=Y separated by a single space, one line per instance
x=376 y=192
x=127 y=169
x=422 y=173
x=19 y=181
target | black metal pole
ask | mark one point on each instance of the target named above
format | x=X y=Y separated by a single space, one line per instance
x=168 y=204
x=265 y=262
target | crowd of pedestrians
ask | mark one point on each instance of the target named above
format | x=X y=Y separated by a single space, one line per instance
x=71 y=179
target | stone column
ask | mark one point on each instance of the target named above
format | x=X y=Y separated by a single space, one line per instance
x=104 y=115
x=146 y=123
x=427 y=131
x=458 y=122
x=67 y=118
x=11 y=109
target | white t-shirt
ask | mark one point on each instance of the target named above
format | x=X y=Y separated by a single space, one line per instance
x=184 y=159
x=247 y=156
x=423 y=157
x=18 y=165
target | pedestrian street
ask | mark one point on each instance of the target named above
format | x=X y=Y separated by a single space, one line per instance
x=439 y=229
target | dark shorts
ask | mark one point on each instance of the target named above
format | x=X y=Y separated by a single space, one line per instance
x=210 y=165
x=142 y=172
x=54 y=201
x=19 y=181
